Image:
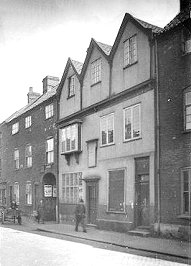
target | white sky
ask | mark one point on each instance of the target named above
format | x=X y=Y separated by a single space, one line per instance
x=38 y=36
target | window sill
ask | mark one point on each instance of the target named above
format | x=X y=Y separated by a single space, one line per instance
x=94 y=84
x=69 y=97
x=70 y=152
x=184 y=216
x=129 y=65
x=107 y=145
x=48 y=117
x=15 y=133
x=130 y=140
x=116 y=212
x=186 y=131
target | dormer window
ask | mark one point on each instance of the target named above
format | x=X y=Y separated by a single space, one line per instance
x=96 y=71
x=15 y=128
x=71 y=138
x=186 y=41
x=71 y=86
x=130 y=51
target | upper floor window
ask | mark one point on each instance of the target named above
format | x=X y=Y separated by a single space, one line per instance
x=130 y=51
x=50 y=150
x=49 y=111
x=28 y=156
x=186 y=41
x=96 y=71
x=187 y=110
x=107 y=129
x=27 y=121
x=186 y=191
x=71 y=138
x=71 y=86
x=15 y=128
x=132 y=122
x=16 y=158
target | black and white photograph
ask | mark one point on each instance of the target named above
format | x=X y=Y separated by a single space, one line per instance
x=95 y=132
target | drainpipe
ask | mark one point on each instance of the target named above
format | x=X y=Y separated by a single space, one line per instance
x=57 y=165
x=157 y=140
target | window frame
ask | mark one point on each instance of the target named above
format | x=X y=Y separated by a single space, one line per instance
x=49 y=111
x=16 y=159
x=77 y=139
x=15 y=128
x=186 y=37
x=28 y=198
x=188 y=169
x=49 y=152
x=124 y=191
x=185 y=106
x=16 y=194
x=124 y=112
x=28 y=158
x=101 y=118
x=94 y=144
x=28 y=121
x=96 y=69
x=127 y=55
x=69 y=186
x=71 y=86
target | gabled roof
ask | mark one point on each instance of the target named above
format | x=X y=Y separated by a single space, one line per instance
x=144 y=26
x=103 y=48
x=77 y=67
x=180 y=18
x=35 y=103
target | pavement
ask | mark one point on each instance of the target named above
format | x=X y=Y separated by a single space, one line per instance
x=156 y=245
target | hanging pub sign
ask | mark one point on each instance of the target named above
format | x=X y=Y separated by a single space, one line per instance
x=48 y=190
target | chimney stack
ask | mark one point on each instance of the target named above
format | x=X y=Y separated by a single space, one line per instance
x=184 y=4
x=32 y=95
x=49 y=82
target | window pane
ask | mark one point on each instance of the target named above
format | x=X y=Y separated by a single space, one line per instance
x=128 y=124
x=136 y=122
x=186 y=202
x=185 y=180
x=188 y=97
x=110 y=129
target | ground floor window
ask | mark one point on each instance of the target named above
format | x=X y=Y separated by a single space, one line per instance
x=16 y=192
x=186 y=191
x=116 y=197
x=28 y=193
x=3 y=196
x=71 y=187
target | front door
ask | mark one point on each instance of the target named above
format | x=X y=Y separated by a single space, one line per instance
x=49 y=196
x=142 y=200
x=92 y=197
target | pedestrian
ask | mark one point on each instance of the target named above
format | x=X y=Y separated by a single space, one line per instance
x=80 y=211
x=40 y=212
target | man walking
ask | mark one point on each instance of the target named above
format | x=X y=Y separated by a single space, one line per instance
x=80 y=215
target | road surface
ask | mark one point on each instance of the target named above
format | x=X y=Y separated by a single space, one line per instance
x=20 y=248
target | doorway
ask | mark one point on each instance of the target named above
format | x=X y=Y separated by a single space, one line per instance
x=92 y=201
x=142 y=198
x=49 y=197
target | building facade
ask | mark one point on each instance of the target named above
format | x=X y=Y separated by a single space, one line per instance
x=174 y=139
x=107 y=136
x=29 y=153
